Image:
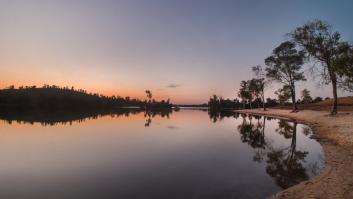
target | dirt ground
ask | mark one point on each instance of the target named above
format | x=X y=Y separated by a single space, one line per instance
x=335 y=133
x=344 y=104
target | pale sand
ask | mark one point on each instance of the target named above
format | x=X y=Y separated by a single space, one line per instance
x=336 y=136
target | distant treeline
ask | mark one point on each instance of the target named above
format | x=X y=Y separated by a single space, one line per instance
x=216 y=103
x=57 y=98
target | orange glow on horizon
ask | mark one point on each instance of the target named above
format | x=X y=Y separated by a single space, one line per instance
x=133 y=93
x=33 y=74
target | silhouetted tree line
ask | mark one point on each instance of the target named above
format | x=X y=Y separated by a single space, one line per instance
x=216 y=103
x=65 y=98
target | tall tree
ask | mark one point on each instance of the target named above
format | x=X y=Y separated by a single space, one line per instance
x=249 y=90
x=260 y=82
x=325 y=46
x=284 y=66
x=253 y=92
x=149 y=95
x=244 y=93
x=214 y=103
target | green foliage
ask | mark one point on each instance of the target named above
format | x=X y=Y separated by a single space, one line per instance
x=335 y=56
x=283 y=94
x=252 y=90
x=244 y=94
x=318 y=40
x=284 y=66
x=216 y=103
x=324 y=45
x=344 y=67
x=271 y=102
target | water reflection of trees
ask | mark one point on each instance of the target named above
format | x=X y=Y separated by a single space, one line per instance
x=216 y=116
x=284 y=164
x=251 y=133
x=70 y=117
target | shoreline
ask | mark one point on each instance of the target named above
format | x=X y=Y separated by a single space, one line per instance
x=335 y=134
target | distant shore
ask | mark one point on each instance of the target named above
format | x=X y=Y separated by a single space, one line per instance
x=55 y=98
x=335 y=134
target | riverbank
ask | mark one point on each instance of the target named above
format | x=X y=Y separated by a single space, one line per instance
x=335 y=134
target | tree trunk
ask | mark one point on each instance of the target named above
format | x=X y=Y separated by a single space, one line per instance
x=333 y=78
x=295 y=108
x=334 y=92
x=263 y=101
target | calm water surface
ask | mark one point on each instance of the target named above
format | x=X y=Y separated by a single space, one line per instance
x=186 y=154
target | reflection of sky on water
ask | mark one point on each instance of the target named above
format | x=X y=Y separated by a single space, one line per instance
x=184 y=156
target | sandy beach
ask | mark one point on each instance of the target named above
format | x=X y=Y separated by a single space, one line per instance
x=335 y=133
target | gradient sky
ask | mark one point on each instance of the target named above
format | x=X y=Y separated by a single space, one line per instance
x=185 y=50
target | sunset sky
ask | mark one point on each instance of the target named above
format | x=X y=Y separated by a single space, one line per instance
x=185 y=50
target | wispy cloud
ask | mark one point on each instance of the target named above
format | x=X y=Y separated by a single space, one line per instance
x=173 y=127
x=173 y=85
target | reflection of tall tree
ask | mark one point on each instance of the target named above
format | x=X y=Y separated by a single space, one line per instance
x=306 y=130
x=214 y=116
x=285 y=129
x=288 y=131
x=252 y=133
x=260 y=153
x=148 y=122
x=285 y=165
x=149 y=114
